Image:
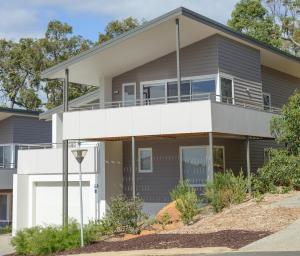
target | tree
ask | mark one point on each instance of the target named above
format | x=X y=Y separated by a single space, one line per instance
x=58 y=45
x=252 y=18
x=286 y=127
x=20 y=67
x=286 y=14
x=116 y=28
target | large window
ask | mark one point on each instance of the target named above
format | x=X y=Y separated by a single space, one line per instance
x=6 y=156
x=194 y=164
x=154 y=93
x=145 y=159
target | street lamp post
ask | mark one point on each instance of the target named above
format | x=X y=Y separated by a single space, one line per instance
x=79 y=154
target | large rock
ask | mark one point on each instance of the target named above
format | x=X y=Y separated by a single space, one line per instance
x=171 y=210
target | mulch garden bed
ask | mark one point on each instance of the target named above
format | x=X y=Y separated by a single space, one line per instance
x=233 y=239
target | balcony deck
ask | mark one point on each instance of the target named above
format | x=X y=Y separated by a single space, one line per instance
x=165 y=116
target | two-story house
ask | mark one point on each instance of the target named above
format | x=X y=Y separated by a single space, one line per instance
x=18 y=129
x=180 y=97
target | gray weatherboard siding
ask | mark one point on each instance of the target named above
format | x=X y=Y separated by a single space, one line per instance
x=24 y=130
x=280 y=85
x=156 y=186
x=205 y=57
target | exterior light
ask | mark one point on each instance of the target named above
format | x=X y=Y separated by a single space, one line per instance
x=79 y=155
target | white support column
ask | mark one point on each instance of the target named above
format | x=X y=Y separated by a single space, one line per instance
x=210 y=175
x=248 y=165
x=133 y=165
x=178 y=58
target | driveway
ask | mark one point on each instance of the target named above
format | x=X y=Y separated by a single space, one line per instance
x=5 y=247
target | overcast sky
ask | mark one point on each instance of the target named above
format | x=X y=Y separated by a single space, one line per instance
x=29 y=18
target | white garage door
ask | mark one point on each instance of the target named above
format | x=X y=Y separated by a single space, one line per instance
x=48 y=202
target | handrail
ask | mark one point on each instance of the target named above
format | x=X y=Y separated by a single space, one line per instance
x=236 y=101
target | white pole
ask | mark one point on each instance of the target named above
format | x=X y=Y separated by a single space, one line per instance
x=81 y=207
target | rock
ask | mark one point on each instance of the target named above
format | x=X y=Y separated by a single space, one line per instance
x=171 y=210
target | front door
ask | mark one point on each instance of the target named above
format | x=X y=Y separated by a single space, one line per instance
x=129 y=94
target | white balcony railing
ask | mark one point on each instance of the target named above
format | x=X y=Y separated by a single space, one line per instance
x=241 y=102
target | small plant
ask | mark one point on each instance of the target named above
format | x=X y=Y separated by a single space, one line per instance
x=165 y=219
x=187 y=201
x=125 y=215
x=5 y=230
x=226 y=189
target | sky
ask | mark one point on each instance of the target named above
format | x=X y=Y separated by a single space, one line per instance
x=29 y=18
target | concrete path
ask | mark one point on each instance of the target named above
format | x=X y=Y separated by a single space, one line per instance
x=285 y=240
x=5 y=247
x=163 y=252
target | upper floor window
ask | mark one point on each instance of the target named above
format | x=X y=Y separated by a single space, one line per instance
x=226 y=90
x=267 y=101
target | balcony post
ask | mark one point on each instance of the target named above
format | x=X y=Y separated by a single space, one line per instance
x=210 y=173
x=178 y=58
x=65 y=155
x=248 y=165
x=133 y=165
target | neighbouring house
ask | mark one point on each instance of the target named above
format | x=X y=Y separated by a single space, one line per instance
x=180 y=97
x=19 y=129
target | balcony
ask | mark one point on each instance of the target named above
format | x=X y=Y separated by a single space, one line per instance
x=197 y=113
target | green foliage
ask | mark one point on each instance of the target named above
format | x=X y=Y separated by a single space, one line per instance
x=283 y=170
x=125 y=215
x=226 y=189
x=186 y=201
x=252 y=18
x=49 y=240
x=116 y=28
x=182 y=188
x=5 y=230
x=165 y=219
x=286 y=127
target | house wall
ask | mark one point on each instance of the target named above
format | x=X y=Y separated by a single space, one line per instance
x=155 y=187
x=243 y=63
x=205 y=57
x=280 y=85
x=27 y=130
x=197 y=59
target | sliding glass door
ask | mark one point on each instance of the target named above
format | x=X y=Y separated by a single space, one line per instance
x=154 y=93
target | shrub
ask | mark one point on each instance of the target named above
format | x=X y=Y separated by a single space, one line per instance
x=226 y=189
x=125 y=215
x=186 y=201
x=47 y=240
x=281 y=170
x=5 y=230
x=165 y=219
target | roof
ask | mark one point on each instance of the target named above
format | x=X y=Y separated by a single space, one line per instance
x=8 y=112
x=127 y=51
x=86 y=98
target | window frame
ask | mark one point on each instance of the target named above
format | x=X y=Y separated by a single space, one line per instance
x=218 y=87
x=123 y=92
x=181 y=148
x=166 y=81
x=270 y=100
x=8 y=206
x=139 y=161
x=224 y=160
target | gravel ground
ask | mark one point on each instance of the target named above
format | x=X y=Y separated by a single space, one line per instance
x=251 y=216
x=233 y=239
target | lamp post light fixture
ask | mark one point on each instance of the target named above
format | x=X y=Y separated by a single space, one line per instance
x=79 y=154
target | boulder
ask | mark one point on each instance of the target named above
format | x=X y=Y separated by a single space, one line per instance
x=171 y=210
